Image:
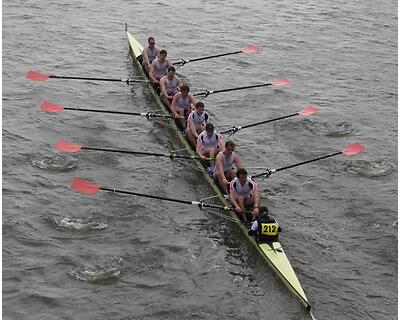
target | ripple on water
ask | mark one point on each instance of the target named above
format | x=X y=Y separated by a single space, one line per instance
x=328 y=129
x=98 y=274
x=77 y=224
x=365 y=168
x=59 y=162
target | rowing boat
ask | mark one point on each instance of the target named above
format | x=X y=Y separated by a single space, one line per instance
x=272 y=253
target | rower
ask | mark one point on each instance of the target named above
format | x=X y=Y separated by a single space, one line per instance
x=196 y=122
x=182 y=104
x=243 y=194
x=159 y=67
x=209 y=143
x=224 y=162
x=169 y=86
x=150 y=53
x=264 y=228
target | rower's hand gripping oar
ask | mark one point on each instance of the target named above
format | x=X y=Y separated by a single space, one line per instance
x=350 y=150
x=38 y=76
x=53 y=108
x=277 y=83
x=303 y=113
x=85 y=186
x=69 y=147
x=249 y=49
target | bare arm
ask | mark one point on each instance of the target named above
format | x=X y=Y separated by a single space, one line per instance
x=162 y=87
x=173 y=105
x=220 y=142
x=193 y=101
x=192 y=127
x=146 y=57
x=220 y=167
x=237 y=162
x=233 y=198
x=198 y=148
x=151 y=72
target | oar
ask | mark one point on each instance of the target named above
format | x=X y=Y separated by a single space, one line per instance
x=69 y=147
x=38 y=76
x=85 y=186
x=305 y=112
x=248 y=49
x=277 y=83
x=50 y=107
x=350 y=150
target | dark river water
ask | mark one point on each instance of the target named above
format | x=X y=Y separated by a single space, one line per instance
x=72 y=256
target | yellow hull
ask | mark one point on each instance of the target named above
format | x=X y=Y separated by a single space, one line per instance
x=273 y=253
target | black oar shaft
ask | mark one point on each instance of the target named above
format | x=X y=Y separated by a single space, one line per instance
x=308 y=161
x=143 y=114
x=146 y=195
x=104 y=111
x=126 y=151
x=234 y=129
x=295 y=165
x=215 y=56
x=198 y=203
x=242 y=88
x=267 y=121
x=145 y=153
x=207 y=92
x=86 y=78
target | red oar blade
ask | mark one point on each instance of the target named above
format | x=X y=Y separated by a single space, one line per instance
x=49 y=107
x=308 y=111
x=66 y=146
x=353 y=149
x=85 y=186
x=280 y=82
x=36 y=76
x=251 y=49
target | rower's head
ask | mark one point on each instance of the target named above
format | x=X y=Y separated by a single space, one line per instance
x=171 y=72
x=185 y=90
x=151 y=41
x=162 y=54
x=199 y=107
x=241 y=174
x=210 y=129
x=229 y=147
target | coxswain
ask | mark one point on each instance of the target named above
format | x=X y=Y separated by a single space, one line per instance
x=150 y=53
x=169 y=86
x=182 y=104
x=209 y=142
x=225 y=161
x=264 y=228
x=244 y=194
x=196 y=122
x=159 y=67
